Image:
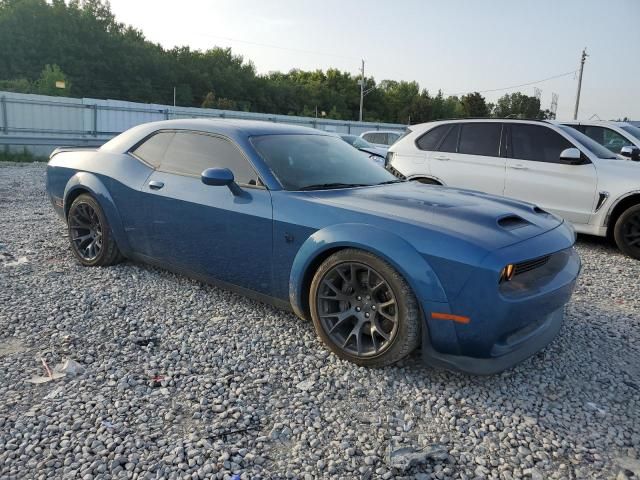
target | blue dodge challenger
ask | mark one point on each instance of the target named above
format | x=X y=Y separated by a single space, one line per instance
x=296 y=217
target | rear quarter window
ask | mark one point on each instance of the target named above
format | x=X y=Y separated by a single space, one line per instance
x=430 y=140
x=152 y=150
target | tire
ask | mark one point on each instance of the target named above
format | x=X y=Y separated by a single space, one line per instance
x=339 y=307
x=90 y=235
x=626 y=232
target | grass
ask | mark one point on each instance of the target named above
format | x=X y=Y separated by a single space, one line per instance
x=22 y=157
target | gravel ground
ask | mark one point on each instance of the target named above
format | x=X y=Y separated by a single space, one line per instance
x=182 y=380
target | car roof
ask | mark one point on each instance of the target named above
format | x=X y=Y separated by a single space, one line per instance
x=418 y=127
x=399 y=132
x=232 y=128
x=593 y=123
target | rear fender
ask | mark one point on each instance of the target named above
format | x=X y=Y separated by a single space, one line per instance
x=388 y=246
x=92 y=184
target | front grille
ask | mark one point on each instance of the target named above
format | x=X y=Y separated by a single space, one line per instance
x=529 y=265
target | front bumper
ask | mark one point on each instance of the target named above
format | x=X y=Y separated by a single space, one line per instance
x=508 y=322
x=538 y=339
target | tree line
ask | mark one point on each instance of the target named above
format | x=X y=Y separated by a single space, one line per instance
x=78 y=48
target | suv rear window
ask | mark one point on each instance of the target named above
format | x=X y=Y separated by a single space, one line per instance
x=430 y=140
x=480 y=139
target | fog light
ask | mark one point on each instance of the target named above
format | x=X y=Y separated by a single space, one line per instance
x=507 y=273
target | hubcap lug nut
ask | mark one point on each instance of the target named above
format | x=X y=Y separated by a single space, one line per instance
x=366 y=314
x=358 y=298
x=357 y=309
x=373 y=307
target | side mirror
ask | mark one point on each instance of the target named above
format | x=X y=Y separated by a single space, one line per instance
x=631 y=152
x=571 y=156
x=218 y=177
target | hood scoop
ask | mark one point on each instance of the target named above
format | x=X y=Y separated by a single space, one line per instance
x=512 y=222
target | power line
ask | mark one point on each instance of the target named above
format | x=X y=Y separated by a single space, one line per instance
x=572 y=72
x=278 y=47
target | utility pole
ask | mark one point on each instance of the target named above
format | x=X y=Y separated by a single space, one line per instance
x=174 y=97
x=361 y=88
x=582 y=60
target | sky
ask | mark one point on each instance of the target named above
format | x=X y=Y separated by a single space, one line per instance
x=456 y=46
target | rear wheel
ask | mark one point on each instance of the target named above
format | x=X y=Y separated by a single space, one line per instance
x=90 y=235
x=626 y=232
x=363 y=310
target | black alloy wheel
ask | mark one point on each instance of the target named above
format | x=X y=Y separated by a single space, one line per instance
x=358 y=309
x=85 y=232
x=89 y=233
x=627 y=232
x=363 y=309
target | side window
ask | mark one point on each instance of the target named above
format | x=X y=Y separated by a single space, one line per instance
x=153 y=149
x=606 y=137
x=480 y=139
x=450 y=142
x=369 y=137
x=534 y=142
x=430 y=140
x=192 y=153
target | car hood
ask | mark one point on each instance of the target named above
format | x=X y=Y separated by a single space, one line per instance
x=485 y=220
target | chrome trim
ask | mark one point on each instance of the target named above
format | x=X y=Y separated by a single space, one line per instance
x=604 y=196
x=614 y=205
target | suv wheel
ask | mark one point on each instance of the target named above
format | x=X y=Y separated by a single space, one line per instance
x=626 y=232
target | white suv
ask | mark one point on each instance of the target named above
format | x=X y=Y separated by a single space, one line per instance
x=612 y=135
x=547 y=164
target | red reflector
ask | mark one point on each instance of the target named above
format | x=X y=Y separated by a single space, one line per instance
x=448 y=316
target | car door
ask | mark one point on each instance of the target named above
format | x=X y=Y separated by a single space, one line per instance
x=469 y=156
x=535 y=173
x=207 y=229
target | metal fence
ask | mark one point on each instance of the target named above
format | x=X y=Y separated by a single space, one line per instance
x=40 y=123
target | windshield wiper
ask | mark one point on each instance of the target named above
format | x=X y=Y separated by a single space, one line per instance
x=328 y=186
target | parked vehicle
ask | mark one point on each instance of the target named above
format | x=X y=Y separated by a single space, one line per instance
x=551 y=165
x=296 y=217
x=381 y=138
x=372 y=152
x=614 y=136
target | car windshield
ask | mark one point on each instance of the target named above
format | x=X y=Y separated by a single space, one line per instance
x=317 y=162
x=591 y=145
x=635 y=131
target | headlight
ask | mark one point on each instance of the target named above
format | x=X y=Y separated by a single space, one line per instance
x=507 y=273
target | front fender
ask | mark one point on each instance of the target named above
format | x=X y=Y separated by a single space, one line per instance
x=91 y=183
x=388 y=246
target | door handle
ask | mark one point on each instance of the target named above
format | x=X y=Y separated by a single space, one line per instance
x=155 y=185
x=518 y=166
x=442 y=158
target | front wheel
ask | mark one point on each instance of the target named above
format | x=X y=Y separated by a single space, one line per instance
x=363 y=309
x=89 y=233
x=627 y=232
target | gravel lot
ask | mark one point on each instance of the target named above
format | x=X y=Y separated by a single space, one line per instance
x=183 y=380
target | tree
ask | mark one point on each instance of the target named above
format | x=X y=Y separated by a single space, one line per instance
x=52 y=81
x=517 y=105
x=474 y=105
